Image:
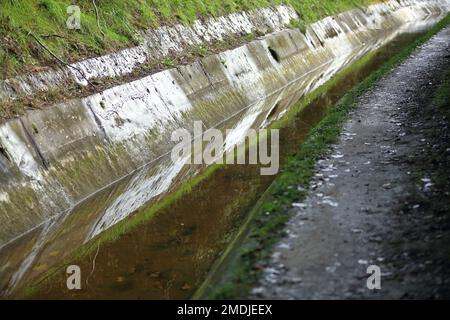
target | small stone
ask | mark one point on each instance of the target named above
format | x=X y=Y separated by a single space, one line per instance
x=186 y=287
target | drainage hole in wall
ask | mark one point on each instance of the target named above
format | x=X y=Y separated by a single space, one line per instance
x=4 y=153
x=274 y=54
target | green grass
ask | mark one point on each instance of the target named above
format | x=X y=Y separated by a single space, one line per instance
x=442 y=95
x=441 y=175
x=270 y=215
x=119 y=21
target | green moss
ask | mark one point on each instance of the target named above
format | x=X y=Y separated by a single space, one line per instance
x=200 y=51
x=300 y=25
x=442 y=95
x=169 y=63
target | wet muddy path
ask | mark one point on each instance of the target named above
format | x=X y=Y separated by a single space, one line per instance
x=380 y=197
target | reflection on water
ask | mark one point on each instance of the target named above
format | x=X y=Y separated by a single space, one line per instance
x=170 y=255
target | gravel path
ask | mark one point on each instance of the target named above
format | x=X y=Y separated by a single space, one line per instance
x=374 y=199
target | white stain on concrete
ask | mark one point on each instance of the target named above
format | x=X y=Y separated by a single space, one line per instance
x=19 y=152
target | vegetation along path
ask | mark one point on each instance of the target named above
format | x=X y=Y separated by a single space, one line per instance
x=379 y=197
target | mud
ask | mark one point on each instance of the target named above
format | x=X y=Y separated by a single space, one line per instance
x=380 y=197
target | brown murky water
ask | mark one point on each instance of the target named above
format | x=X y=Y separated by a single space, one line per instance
x=170 y=256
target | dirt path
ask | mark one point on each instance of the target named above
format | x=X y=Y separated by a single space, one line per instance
x=381 y=197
